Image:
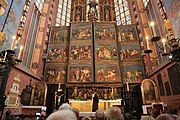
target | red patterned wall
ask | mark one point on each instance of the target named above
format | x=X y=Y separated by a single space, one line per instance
x=24 y=78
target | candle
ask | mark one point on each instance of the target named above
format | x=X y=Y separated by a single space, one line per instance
x=59 y=87
x=21 y=47
x=5 y=56
x=153 y=28
x=127 y=86
x=147 y=41
x=164 y=45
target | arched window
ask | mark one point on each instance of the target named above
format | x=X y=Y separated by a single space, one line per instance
x=39 y=4
x=123 y=16
x=145 y=2
x=63 y=14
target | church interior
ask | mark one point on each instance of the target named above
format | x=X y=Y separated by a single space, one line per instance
x=65 y=51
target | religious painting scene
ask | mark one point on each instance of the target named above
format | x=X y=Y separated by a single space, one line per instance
x=90 y=55
x=80 y=52
x=149 y=91
x=107 y=33
x=57 y=54
x=80 y=74
x=132 y=76
x=38 y=94
x=106 y=52
x=55 y=74
x=60 y=34
x=127 y=53
x=105 y=73
x=104 y=93
x=81 y=33
x=132 y=71
x=127 y=34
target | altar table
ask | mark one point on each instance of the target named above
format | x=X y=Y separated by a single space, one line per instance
x=86 y=106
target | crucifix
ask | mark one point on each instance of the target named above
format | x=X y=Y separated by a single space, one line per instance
x=58 y=95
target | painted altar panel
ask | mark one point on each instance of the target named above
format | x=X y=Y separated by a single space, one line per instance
x=106 y=56
x=131 y=62
x=86 y=93
x=12 y=23
x=132 y=72
x=55 y=74
x=104 y=33
x=127 y=33
x=81 y=31
x=130 y=52
x=80 y=54
x=80 y=65
x=60 y=34
x=80 y=74
x=107 y=73
x=106 y=52
x=57 y=53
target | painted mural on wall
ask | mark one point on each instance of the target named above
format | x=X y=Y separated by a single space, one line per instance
x=11 y=24
x=172 y=9
x=126 y=34
x=57 y=54
x=55 y=74
x=81 y=32
x=81 y=52
x=129 y=53
x=80 y=74
x=108 y=52
x=60 y=34
x=107 y=73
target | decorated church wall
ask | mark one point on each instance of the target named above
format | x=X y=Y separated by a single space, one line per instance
x=11 y=25
x=172 y=9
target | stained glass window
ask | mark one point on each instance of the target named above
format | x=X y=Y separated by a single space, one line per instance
x=145 y=2
x=122 y=12
x=39 y=4
x=64 y=11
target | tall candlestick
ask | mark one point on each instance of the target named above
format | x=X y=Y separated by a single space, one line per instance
x=147 y=41
x=127 y=85
x=21 y=47
x=5 y=56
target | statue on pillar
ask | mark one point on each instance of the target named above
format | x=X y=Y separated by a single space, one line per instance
x=92 y=12
x=78 y=15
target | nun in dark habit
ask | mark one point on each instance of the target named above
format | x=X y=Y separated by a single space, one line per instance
x=95 y=103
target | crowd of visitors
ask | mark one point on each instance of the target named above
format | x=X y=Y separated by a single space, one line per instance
x=65 y=112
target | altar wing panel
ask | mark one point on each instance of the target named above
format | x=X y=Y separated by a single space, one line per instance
x=105 y=53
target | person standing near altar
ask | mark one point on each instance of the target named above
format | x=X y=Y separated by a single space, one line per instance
x=95 y=102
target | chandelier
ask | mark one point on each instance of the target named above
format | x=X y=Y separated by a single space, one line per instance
x=171 y=47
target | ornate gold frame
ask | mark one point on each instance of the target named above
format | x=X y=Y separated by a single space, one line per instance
x=45 y=93
x=143 y=88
